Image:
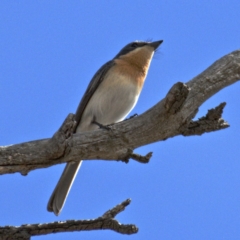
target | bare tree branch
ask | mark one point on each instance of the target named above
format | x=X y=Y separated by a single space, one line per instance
x=211 y=122
x=105 y=222
x=170 y=117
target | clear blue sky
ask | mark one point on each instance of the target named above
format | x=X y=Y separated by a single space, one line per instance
x=49 y=50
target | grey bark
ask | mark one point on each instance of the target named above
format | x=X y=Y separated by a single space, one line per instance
x=170 y=117
x=105 y=222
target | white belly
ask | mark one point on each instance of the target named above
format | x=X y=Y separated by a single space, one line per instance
x=110 y=103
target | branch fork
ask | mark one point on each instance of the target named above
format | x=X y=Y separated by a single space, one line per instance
x=106 y=222
x=170 y=117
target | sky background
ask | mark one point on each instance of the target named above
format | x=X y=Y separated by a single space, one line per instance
x=49 y=51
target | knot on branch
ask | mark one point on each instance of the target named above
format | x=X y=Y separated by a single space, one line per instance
x=176 y=97
x=211 y=122
x=57 y=145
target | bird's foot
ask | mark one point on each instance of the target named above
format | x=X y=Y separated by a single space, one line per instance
x=106 y=127
x=133 y=116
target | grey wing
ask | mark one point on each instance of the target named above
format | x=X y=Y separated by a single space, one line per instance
x=93 y=85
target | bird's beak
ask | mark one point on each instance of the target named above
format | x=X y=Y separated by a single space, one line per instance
x=155 y=45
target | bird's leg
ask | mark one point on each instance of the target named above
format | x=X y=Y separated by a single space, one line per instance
x=133 y=116
x=106 y=127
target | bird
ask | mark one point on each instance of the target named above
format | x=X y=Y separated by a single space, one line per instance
x=111 y=94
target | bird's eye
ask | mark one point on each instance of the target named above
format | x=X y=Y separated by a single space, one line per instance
x=134 y=45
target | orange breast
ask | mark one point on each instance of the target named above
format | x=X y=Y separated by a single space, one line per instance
x=135 y=65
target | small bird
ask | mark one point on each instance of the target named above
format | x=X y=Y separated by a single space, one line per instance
x=110 y=96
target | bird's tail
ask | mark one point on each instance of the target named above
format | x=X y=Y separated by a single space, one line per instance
x=60 y=193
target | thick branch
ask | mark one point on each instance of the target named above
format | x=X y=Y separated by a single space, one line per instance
x=170 y=117
x=106 y=221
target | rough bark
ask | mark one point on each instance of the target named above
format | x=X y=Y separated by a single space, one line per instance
x=170 y=117
x=105 y=222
